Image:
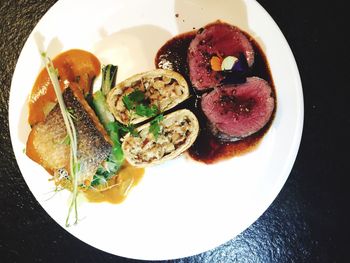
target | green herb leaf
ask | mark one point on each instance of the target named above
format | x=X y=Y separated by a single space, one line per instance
x=137 y=102
x=146 y=111
x=121 y=129
x=76 y=167
x=66 y=140
x=136 y=96
x=133 y=131
x=98 y=180
x=155 y=128
x=128 y=103
x=70 y=112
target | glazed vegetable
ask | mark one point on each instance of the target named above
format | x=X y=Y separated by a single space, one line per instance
x=109 y=74
x=100 y=107
x=112 y=164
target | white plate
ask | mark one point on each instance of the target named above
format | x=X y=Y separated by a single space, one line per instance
x=180 y=208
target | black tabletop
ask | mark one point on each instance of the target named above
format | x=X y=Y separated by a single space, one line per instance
x=307 y=222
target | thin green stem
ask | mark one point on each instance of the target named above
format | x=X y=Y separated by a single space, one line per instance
x=71 y=131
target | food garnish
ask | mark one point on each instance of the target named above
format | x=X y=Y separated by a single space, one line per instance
x=137 y=102
x=112 y=164
x=219 y=40
x=218 y=63
x=103 y=148
x=215 y=63
x=145 y=95
x=100 y=107
x=228 y=63
x=155 y=127
x=162 y=139
x=74 y=65
x=109 y=74
x=72 y=134
x=199 y=55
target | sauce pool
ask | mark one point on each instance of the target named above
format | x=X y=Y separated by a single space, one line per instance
x=128 y=177
x=75 y=65
x=207 y=148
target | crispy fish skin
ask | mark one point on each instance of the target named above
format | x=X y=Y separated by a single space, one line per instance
x=48 y=145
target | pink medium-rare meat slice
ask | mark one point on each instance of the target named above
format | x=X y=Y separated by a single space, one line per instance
x=237 y=111
x=216 y=39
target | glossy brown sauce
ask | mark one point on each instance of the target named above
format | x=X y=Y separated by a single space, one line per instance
x=207 y=148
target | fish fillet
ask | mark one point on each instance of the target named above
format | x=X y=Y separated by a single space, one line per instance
x=48 y=143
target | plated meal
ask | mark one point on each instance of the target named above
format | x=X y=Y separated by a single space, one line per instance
x=211 y=95
x=176 y=124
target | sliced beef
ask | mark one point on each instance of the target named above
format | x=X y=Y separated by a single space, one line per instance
x=216 y=39
x=237 y=111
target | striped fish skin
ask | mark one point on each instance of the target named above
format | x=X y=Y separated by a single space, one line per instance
x=48 y=144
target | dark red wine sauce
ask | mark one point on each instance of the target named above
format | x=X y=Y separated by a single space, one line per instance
x=207 y=148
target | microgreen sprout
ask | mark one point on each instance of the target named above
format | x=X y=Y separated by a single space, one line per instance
x=71 y=132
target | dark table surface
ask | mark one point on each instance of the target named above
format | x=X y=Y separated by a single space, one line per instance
x=307 y=222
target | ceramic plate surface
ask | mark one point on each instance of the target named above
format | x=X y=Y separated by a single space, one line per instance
x=181 y=207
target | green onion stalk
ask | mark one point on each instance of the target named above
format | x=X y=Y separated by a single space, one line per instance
x=114 y=161
x=71 y=131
